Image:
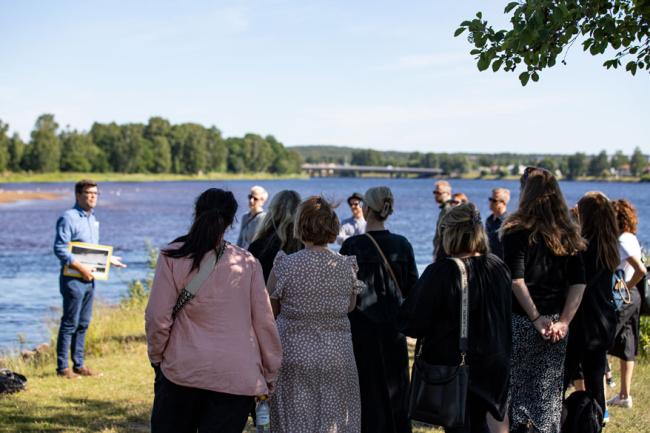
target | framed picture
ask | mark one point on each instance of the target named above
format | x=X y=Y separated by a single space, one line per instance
x=96 y=257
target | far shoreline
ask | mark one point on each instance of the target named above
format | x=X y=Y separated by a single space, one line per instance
x=71 y=177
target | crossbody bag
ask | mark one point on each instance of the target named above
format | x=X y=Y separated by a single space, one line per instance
x=207 y=266
x=386 y=264
x=438 y=393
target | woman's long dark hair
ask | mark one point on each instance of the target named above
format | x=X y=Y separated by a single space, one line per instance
x=543 y=211
x=214 y=212
x=600 y=228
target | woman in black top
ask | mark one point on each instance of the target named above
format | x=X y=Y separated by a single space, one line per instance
x=276 y=231
x=433 y=312
x=542 y=248
x=379 y=347
x=593 y=328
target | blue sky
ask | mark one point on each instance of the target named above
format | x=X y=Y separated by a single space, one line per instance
x=378 y=74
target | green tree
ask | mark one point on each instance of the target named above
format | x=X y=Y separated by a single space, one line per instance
x=16 y=152
x=599 y=165
x=4 y=147
x=217 y=151
x=543 y=29
x=161 y=155
x=367 y=157
x=77 y=152
x=576 y=165
x=548 y=163
x=189 y=148
x=44 y=151
x=638 y=162
x=108 y=137
x=619 y=159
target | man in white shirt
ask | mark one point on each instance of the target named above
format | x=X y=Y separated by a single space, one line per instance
x=356 y=224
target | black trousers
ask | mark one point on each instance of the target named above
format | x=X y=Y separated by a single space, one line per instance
x=475 y=417
x=594 y=366
x=180 y=409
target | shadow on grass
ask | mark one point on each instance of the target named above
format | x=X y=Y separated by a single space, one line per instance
x=74 y=414
x=127 y=339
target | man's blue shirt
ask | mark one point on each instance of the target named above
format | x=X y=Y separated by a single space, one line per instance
x=75 y=225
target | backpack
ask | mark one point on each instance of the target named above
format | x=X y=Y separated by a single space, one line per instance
x=620 y=291
x=11 y=382
x=581 y=413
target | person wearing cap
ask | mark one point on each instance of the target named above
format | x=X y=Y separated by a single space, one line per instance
x=356 y=224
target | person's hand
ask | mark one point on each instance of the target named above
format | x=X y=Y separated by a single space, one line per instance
x=86 y=273
x=543 y=325
x=117 y=262
x=559 y=330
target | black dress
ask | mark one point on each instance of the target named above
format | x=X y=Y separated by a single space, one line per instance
x=265 y=249
x=592 y=329
x=379 y=348
x=432 y=313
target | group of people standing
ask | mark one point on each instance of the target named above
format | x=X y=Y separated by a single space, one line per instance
x=324 y=333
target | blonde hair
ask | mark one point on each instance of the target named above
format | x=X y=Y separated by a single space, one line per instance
x=462 y=231
x=279 y=220
x=443 y=185
x=502 y=194
x=379 y=200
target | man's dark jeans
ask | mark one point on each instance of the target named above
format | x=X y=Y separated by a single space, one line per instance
x=77 y=310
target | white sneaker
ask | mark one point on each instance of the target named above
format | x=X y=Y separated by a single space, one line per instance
x=620 y=402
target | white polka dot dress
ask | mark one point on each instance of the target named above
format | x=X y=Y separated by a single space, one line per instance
x=318 y=387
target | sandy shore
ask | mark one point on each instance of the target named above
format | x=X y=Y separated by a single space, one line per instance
x=14 y=196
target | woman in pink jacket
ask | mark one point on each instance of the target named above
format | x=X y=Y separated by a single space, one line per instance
x=220 y=349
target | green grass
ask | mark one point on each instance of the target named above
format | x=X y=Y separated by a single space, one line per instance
x=136 y=177
x=120 y=400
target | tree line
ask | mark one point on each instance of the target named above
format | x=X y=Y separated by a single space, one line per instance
x=573 y=166
x=155 y=147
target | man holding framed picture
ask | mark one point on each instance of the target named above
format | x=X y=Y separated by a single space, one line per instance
x=77 y=225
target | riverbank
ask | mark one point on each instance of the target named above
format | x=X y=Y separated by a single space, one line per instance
x=137 y=177
x=7 y=196
x=120 y=401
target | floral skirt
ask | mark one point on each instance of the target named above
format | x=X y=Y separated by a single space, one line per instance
x=536 y=378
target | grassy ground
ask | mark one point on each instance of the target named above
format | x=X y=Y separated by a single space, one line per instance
x=120 y=400
x=136 y=177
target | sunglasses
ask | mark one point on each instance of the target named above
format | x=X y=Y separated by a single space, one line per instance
x=494 y=200
x=252 y=197
x=437 y=192
x=355 y=203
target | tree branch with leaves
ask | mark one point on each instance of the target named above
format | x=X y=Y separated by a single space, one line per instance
x=544 y=30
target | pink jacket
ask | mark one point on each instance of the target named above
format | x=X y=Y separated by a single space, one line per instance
x=225 y=339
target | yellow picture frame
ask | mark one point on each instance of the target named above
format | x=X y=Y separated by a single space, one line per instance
x=95 y=256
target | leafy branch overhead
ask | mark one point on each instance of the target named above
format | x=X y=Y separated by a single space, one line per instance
x=544 y=30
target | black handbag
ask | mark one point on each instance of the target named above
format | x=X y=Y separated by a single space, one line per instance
x=438 y=393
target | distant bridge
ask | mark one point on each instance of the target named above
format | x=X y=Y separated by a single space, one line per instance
x=324 y=170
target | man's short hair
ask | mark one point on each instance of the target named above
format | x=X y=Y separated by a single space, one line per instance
x=80 y=186
x=502 y=194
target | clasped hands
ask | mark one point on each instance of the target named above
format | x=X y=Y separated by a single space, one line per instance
x=551 y=330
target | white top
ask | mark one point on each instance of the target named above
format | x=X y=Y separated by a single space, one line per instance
x=351 y=227
x=628 y=246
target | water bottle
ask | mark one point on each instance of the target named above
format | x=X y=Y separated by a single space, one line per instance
x=263 y=415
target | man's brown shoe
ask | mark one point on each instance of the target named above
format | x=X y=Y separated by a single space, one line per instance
x=85 y=371
x=68 y=374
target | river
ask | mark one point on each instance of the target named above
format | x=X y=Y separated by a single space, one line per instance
x=132 y=215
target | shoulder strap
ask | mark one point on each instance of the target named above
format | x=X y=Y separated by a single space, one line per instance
x=208 y=264
x=386 y=263
x=463 y=308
